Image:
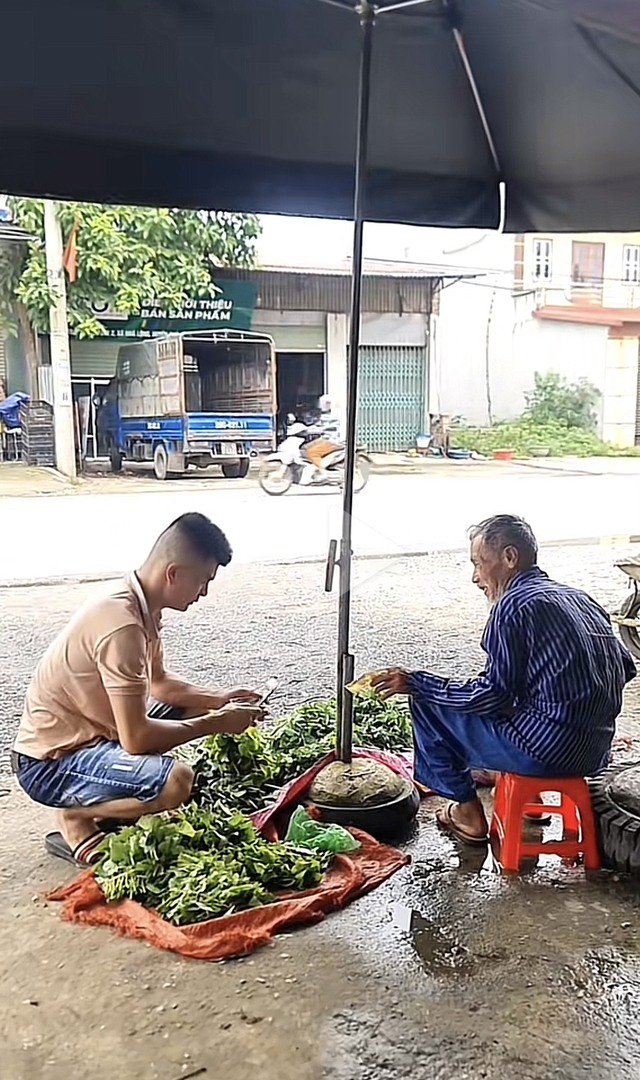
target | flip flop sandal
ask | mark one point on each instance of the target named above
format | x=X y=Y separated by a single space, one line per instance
x=84 y=855
x=447 y=823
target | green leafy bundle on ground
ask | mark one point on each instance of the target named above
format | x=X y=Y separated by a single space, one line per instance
x=247 y=770
x=196 y=864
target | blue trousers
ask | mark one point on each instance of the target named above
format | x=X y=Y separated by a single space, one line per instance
x=449 y=744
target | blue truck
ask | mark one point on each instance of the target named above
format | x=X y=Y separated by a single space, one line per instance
x=195 y=398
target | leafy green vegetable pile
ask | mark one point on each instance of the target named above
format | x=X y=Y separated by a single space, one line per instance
x=208 y=859
x=246 y=771
x=195 y=865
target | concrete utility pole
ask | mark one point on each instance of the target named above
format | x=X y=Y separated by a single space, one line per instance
x=59 y=337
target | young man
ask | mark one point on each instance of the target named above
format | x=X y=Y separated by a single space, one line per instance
x=547 y=702
x=88 y=743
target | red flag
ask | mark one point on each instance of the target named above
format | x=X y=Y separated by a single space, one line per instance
x=70 y=258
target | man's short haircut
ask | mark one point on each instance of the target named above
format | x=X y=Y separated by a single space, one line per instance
x=193 y=535
x=507 y=530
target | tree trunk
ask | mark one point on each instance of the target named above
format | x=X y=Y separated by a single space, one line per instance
x=28 y=339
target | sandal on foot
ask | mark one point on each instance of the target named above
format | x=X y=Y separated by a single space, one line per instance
x=84 y=855
x=445 y=820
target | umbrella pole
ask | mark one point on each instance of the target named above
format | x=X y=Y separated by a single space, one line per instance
x=345 y=657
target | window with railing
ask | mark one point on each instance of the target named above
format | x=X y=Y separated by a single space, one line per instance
x=542 y=260
x=587 y=272
x=631 y=264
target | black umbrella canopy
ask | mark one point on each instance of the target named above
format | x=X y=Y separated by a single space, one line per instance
x=252 y=105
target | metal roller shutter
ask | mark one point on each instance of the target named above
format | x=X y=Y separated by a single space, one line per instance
x=392 y=395
x=97 y=357
x=294 y=338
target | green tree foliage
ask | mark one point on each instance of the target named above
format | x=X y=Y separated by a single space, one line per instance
x=555 y=400
x=126 y=257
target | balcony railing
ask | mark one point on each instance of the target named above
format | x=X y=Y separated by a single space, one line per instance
x=608 y=294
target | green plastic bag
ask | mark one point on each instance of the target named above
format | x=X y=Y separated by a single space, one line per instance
x=307 y=832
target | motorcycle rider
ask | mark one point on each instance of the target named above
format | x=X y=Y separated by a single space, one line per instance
x=327 y=435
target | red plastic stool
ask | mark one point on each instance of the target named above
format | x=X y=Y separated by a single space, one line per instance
x=514 y=797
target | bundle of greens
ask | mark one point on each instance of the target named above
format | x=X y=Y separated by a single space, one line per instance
x=195 y=865
x=376 y=723
x=236 y=770
x=246 y=771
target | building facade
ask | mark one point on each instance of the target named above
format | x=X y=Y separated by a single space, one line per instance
x=577 y=311
x=306 y=313
x=542 y=303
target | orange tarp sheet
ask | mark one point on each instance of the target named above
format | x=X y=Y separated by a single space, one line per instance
x=350 y=876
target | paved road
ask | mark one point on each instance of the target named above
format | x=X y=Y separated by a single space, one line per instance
x=84 y=535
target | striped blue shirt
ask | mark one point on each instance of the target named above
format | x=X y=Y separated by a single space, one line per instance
x=554 y=676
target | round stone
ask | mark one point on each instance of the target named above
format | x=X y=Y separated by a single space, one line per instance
x=364 y=782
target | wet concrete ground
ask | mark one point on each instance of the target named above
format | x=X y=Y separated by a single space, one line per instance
x=448 y=971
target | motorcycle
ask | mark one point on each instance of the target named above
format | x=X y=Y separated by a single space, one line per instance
x=628 y=618
x=288 y=466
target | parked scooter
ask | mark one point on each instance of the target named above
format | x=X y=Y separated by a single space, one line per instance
x=288 y=465
x=628 y=618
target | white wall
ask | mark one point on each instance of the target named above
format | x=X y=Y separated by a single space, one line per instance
x=621 y=391
x=474 y=332
x=574 y=350
x=336 y=365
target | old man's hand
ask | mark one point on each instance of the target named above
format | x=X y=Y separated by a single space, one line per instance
x=391 y=682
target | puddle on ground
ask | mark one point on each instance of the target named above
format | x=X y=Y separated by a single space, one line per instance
x=437 y=946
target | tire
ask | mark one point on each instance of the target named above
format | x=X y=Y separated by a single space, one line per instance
x=631 y=634
x=361 y=473
x=235 y=470
x=160 y=463
x=115 y=459
x=616 y=804
x=275 y=477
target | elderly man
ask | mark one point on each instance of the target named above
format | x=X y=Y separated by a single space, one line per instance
x=547 y=702
x=88 y=744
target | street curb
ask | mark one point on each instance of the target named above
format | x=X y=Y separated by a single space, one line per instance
x=317 y=560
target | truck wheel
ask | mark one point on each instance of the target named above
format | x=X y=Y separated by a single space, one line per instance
x=616 y=805
x=235 y=470
x=115 y=459
x=160 y=463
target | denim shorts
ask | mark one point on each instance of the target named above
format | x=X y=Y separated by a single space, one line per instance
x=92 y=775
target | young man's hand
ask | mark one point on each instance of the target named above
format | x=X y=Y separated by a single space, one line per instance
x=391 y=682
x=248 y=697
x=234 y=719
